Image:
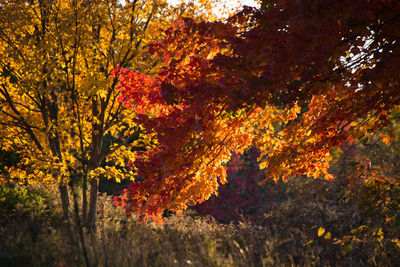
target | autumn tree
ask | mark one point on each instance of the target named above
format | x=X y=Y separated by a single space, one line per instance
x=294 y=78
x=57 y=97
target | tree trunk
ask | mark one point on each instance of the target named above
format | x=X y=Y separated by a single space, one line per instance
x=78 y=221
x=95 y=159
x=64 y=200
x=94 y=184
x=84 y=198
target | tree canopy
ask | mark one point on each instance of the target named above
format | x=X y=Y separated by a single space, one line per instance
x=294 y=78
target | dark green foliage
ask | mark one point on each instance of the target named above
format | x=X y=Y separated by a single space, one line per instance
x=7 y=159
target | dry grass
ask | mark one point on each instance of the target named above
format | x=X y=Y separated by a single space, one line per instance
x=33 y=234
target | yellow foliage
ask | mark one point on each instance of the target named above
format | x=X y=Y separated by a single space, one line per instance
x=58 y=100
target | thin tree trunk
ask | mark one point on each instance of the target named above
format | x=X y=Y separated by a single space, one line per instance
x=97 y=141
x=80 y=228
x=94 y=185
x=84 y=198
x=64 y=200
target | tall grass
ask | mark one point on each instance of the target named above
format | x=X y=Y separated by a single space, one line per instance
x=33 y=233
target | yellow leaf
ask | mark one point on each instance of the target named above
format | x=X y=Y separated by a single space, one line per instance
x=321 y=231
x=328 y=235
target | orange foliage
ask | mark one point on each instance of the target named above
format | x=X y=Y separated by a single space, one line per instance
x=295 y=78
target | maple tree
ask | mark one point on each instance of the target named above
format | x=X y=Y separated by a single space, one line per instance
x=57 y=97
x=294 y=78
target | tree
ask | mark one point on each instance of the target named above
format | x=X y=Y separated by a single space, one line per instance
x=295 y=78
x=58 y=99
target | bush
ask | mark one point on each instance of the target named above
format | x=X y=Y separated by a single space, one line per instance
x=14 y=198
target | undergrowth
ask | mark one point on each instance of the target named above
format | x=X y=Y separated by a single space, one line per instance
x=310 y=223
